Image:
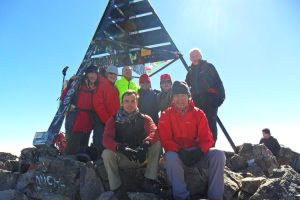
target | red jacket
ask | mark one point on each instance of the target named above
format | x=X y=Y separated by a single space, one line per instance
x=110 y=133
x=106 y=100
x=188 y=130
x=83 y=121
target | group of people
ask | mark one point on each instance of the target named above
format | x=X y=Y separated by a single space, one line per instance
x=129 y=132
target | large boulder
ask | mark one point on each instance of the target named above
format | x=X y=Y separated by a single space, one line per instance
x=283 y=184
x=258 y=157
x=232 y=184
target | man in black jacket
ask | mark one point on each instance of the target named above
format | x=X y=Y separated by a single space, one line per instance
x=206 y=87
x=270 y=142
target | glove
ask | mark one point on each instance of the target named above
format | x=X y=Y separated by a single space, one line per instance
x=128 y=152
x=196 y=155
x=142 y=151
x=191 y=157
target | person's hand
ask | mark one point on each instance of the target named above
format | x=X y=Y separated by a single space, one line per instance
x=191 y=157
x=128 y=152
x=142 y=151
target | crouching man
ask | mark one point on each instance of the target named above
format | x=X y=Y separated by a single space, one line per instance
x=130 y=138
x=186 y=137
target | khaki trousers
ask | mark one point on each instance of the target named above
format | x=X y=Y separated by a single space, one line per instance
x=113 y=161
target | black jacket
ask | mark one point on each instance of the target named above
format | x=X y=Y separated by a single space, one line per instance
x=272 y=144
x=201 y=79
x=148 y=104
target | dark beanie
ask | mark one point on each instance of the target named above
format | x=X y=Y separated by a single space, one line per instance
x=91 y=68
x=180 y=87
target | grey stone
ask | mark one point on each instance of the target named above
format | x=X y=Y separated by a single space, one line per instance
x=251 y=184
x=90 y=184
x=107 y=196
x=12 y=195
x=8 y=180
x=283 y=184
x=232 y=183
x=7 y=156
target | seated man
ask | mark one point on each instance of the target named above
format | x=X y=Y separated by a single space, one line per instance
x=270 y=142
x=130 y=138
x=186 y=138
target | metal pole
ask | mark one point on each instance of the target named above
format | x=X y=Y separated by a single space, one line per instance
x=226 y=135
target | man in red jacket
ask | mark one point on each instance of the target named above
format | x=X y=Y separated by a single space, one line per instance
x=186 y=138
x=130 y=138
x=106 y=104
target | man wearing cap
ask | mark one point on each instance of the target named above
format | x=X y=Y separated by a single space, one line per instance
x=131 y=140
x=187 y=139
x=125 y=83
x=147 y=98
x=79 y=122
x=106 y=104
x=207 y=88
x=164 y=97
x=270 y=142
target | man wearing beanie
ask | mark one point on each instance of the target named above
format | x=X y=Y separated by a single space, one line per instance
x=106 y=104
x=207 y=88
x=164 y=98
x=147 y=98
x=187 y=139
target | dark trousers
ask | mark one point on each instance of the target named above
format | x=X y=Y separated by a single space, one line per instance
x=77 y=142
x=98 y=135
x=210 y=112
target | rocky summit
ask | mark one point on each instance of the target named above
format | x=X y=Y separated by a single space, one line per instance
x=251 y=173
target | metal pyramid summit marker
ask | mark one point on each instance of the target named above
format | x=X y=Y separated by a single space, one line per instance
x=129 y=34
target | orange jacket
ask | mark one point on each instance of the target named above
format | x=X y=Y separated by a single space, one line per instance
x=178 y=131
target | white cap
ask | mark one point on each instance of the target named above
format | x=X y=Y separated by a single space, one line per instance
x=112 y=69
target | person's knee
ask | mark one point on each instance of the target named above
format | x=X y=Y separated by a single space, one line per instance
x=217 y=155
x=108 y=154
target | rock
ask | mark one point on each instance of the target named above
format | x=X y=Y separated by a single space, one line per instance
x=283 y=184
x=12 y=195
x=12 y=165
x=232 y=183
x=8 y=180
x=101 y=172
x=141 y=195
x=251 y=184
x=90 y=184
x=253 y=155
x=55 y=176
x=107 y=196
x=7 y=156
x=288 y=157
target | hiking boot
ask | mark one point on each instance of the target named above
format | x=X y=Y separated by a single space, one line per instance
x=83 y=157
x=151 y=186
x=121 y=193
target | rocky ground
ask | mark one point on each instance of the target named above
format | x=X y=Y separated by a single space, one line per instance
x=253 y=173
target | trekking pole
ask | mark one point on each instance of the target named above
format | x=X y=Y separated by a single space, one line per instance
x=64 y=72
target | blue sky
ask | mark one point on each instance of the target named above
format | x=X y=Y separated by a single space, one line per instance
x=254 y=45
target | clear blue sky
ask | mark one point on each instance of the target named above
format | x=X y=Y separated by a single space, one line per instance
x=255 y=46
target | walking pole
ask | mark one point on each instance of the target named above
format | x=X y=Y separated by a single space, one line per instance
x=64 y=72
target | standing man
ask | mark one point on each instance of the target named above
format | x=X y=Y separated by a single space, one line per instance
x=106 y=104
x=270 y=142
x=147 y=98
x=130 y=139
x=207 y=88
x=126 y=83
x=164 y=97
x=186 y=138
